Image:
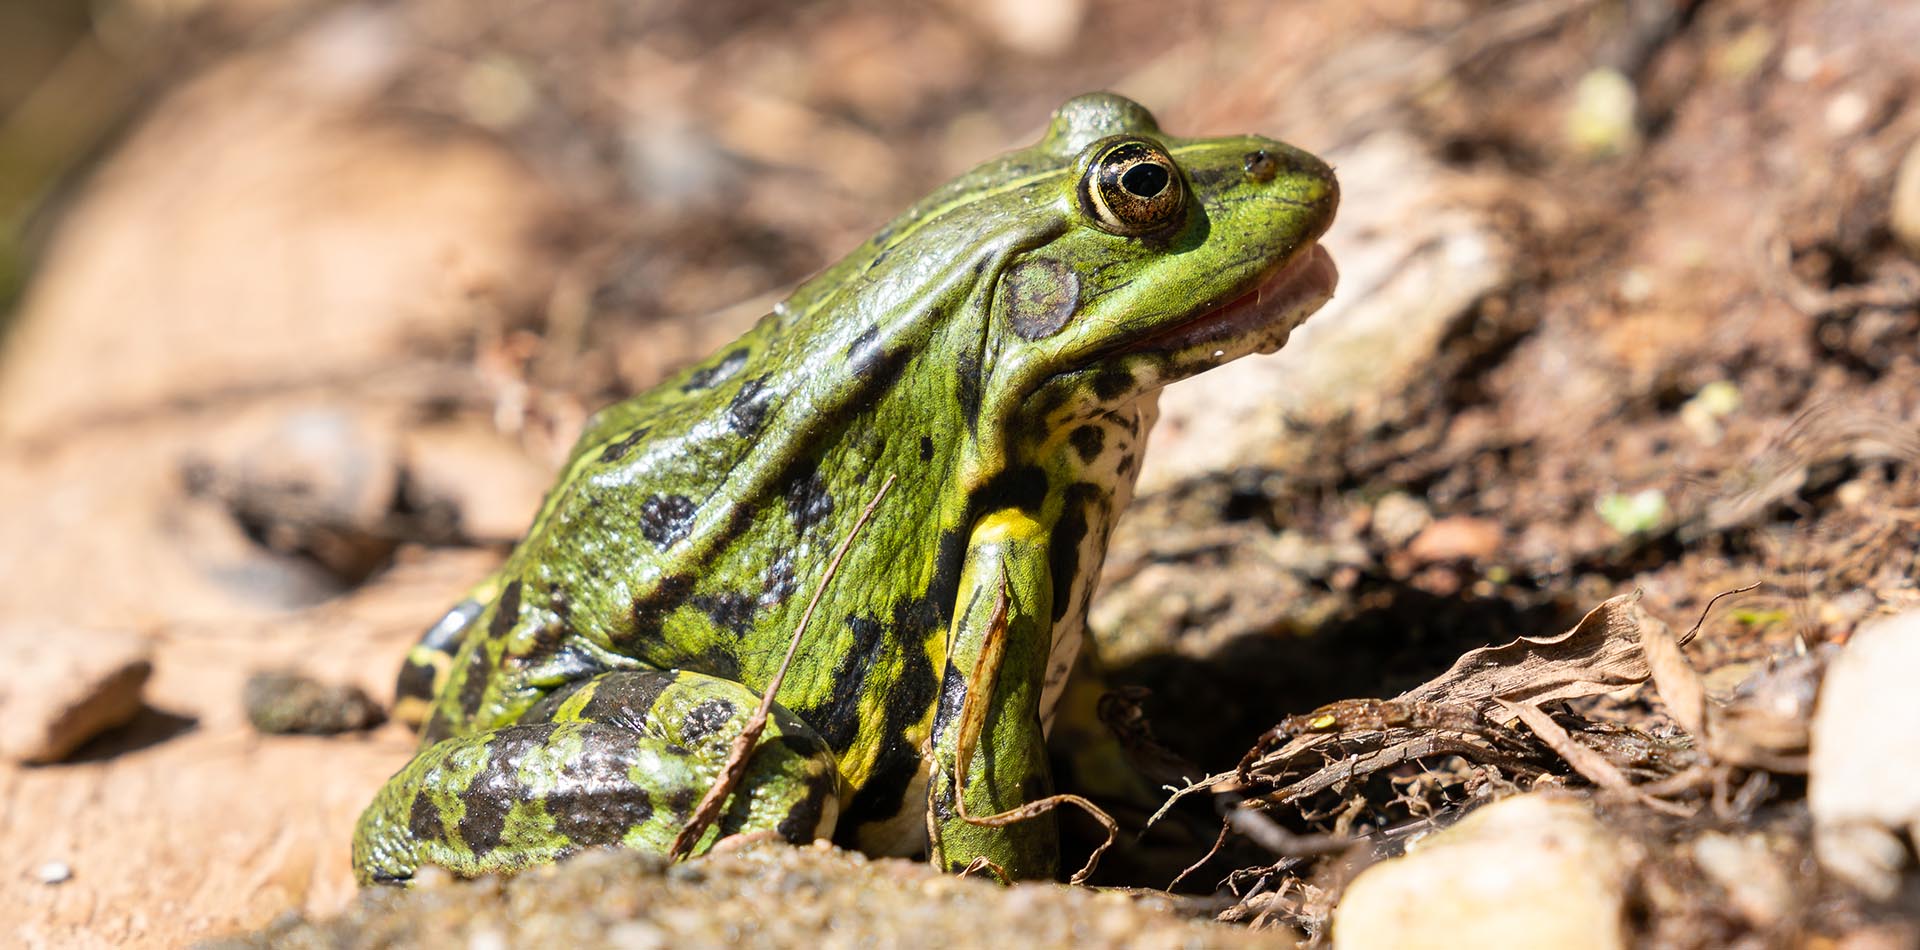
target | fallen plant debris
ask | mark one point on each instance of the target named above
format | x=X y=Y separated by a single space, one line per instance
x=1355 y=780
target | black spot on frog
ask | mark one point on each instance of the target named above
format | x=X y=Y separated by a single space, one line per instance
x=506 y=612
x=706 y=719
x=650 y=609
x=728 y=610
x=490 y=796
x=808 y=500
x=618 y=450
x=1088 y=441
x=1112 y=384
x=665 y=519
x=707 y=376
x=748 y=411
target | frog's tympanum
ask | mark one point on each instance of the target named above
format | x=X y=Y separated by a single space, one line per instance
x=996 y=351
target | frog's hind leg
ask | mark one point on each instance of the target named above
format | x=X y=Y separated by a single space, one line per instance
x=619 y=759
x=426 y=667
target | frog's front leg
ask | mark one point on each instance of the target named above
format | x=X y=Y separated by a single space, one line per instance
x=619 y=759
x=1002 y=632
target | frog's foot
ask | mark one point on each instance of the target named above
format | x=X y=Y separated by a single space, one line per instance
x=620 y=759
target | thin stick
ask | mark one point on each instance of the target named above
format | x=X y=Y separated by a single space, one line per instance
x=736 y=764
x=1218 y=842
x=1704 y=611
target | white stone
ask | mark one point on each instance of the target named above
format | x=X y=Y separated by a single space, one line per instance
x=1530 y=871
x=1864 y=776
x=1904 y=215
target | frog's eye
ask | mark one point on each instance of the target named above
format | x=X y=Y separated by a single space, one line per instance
x=1132 y=187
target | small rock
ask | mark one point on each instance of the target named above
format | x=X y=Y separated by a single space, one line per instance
x=282 y=702
x=1603 y=120
x=65 y=685
x=1530 y=871
x=495 y=92
x=1458 y=538
x=1755 y=881
x=1770 y=709
x=1847 y=112
x=637 y=935
x=1399 y=518
x=54 y=872
x=1744 y=55
x=1864 y=776
x=1702 y=414
x=488 y=940
x=323 y=464
x=1904 y=217
x=320 y=482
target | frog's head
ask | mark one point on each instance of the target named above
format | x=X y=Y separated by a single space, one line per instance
x=1166 y=256
x=1111 y=258
x=1075 y=275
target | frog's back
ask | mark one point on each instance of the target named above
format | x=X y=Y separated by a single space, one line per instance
x=689 y=517
x=612 y=530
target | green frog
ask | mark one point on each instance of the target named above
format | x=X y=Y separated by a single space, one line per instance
x=994 y=355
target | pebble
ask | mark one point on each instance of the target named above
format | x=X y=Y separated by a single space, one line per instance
x=1864 y=774
x=1458 y=538
x=54 y=872
x=1755 y=881
x=1530 y=871
x=1398 y=518
x=286 y=702
x=1602 y=121
x=1904 y=217
x=1846 y=113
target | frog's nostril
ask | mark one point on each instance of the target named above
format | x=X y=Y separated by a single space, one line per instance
x=1260 y=165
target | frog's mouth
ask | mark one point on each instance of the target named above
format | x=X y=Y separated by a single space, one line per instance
x=1256 y=321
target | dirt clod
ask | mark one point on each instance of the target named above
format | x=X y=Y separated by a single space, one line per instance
x=286 y=702
x=765 y=895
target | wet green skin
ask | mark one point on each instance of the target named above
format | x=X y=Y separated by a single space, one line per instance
x=994 y=350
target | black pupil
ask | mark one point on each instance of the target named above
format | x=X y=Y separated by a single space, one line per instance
x=1144 y=180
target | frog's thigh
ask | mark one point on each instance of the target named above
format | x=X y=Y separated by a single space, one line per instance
x=620 y=759
x=1007 y=556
